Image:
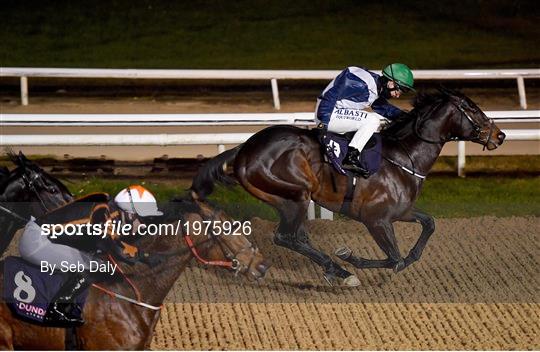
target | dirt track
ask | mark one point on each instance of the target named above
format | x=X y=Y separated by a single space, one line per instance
x=476 y=287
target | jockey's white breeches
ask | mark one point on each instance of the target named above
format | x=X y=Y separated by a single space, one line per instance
x=362 y=122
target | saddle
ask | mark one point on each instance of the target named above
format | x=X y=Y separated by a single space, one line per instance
x=335 y=147
x=28 y=291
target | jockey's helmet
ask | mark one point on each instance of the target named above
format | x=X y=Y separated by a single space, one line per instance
x=138 y=200
x=401 y=74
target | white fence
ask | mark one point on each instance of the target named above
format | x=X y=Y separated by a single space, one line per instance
x=273 y=75
x=293 y=118
x=301 y=118
x=220 y=139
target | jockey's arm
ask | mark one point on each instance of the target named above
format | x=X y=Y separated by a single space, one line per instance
x=112 y=243
x=346 y=86
x=382 y=107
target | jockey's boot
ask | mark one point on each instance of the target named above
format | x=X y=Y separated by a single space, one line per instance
x=63 y=310
x=353 y=163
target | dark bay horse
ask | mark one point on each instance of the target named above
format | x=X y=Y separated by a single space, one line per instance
x=284 y=167
x=26 y=191
x=114 y=324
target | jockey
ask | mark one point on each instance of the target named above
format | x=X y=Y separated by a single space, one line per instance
x=342 y=105
x=130 y=206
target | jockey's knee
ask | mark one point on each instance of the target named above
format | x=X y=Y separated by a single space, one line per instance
x=373 y=120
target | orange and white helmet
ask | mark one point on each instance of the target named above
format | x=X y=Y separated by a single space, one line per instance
x=137 y=199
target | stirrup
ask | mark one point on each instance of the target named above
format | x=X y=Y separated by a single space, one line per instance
x=357 y=170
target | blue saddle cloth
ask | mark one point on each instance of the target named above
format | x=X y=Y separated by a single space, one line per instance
x=336 y=147
x=28 y=291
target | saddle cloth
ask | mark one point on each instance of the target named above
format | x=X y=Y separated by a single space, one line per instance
x=336 y=146
x=28 y=291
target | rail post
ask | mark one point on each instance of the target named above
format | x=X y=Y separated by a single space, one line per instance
x=326 y=214
x=24 y=90
x=521 y=91
x=221 y=149
x=311 y=210
x=461 y=159
x=275 y=93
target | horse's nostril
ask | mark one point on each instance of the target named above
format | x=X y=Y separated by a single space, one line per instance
x=501 y=136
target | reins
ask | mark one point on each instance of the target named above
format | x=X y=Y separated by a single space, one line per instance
x=416 y=130
x=233 y=263
x=138 y=301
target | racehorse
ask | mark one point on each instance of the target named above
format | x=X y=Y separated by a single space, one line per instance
x=26 y=191
x=284 y=166
x=114 y=324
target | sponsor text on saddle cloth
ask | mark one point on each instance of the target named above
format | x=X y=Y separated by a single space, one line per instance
x=28 y=291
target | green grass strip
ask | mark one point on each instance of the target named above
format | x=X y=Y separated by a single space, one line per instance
x=442 y=196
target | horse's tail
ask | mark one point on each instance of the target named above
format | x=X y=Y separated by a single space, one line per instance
x=211 y=172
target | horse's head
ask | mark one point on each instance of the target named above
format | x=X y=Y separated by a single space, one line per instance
x=470 y=123
x=30 y=184
x=216 y=237
x=450 y=115
x=232 y=243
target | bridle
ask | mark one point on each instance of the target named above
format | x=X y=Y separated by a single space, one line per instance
x=477 y=129
x=232 y=262
x=477 y=137
x=30 y=184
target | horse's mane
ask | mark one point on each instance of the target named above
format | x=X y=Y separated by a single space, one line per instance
x=4 y=175
x=174 y=208
x=403 y=125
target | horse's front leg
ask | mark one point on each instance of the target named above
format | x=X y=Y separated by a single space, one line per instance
x=428 y=227
x=382 y=232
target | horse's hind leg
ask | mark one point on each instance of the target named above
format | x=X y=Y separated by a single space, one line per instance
x=428 y=227
x=293 y=235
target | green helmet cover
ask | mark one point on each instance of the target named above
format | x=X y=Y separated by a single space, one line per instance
x=399 y=73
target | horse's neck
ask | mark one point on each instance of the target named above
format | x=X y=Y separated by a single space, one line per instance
x=423 y=155
x=155 y=283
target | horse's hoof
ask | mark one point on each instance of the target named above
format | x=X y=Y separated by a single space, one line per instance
x=330 y=279
x=351 y=281
x=400 y=265
x=343 y=253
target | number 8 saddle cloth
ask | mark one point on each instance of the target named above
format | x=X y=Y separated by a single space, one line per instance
x=28 y=291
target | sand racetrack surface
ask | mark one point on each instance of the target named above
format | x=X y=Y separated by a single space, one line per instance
x=476 y=287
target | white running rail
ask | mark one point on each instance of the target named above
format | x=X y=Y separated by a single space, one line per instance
x=273 y=75
x=298 y=118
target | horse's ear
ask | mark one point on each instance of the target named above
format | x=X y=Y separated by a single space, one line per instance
x=11 y=155
x=446 y=91
x=450 y=92
x=22 y=157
